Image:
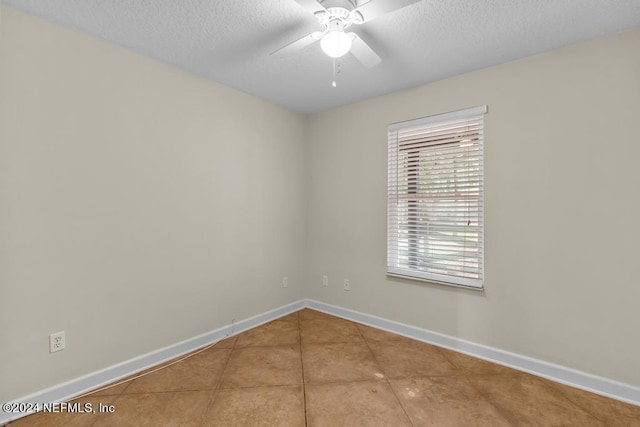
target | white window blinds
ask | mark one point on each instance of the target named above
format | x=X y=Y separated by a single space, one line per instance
x=435 y=229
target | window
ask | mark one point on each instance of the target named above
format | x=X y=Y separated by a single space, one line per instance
x=435 y=229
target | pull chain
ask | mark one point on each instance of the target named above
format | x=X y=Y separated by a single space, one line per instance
x=334 y=73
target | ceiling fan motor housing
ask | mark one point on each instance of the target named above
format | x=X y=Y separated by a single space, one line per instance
x=345 y=4
x=345 y=16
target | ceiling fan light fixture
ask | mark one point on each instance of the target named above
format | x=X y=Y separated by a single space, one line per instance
x=336 y=43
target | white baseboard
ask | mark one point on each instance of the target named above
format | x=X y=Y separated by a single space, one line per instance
x=79 y=386
x=583 y=380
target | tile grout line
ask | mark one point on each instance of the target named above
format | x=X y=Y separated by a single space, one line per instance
x=217 y=386
x=385 y=376
x=304 y=384
x=564 y=397
x=584 y=408
x=441 y=353
x=543 y=381
x=485 y=398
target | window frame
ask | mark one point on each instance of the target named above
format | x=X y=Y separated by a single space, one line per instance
x=394 y=268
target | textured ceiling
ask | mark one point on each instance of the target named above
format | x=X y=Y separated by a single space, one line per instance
x=229 y=41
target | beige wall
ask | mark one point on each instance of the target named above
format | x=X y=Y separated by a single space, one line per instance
x=562 y=208
x=139 y=205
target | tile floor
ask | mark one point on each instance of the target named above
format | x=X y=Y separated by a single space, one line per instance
x=313 y=369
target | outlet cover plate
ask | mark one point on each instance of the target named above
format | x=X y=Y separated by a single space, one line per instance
x=56 y=342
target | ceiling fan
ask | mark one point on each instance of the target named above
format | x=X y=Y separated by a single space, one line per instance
x=335 y=16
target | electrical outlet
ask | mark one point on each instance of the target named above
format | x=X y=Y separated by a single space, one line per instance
x=56 y=342
x=347 y=285
x=285 y=282
x=325 y=280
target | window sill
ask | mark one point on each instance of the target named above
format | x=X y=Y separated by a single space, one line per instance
x=435 y=282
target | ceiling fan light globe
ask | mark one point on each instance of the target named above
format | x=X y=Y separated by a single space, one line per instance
x=335 y=43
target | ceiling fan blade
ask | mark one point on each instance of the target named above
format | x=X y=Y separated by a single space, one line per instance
x=312 y=6
x=376 y=8
x=363 y=52
x=298 y=44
